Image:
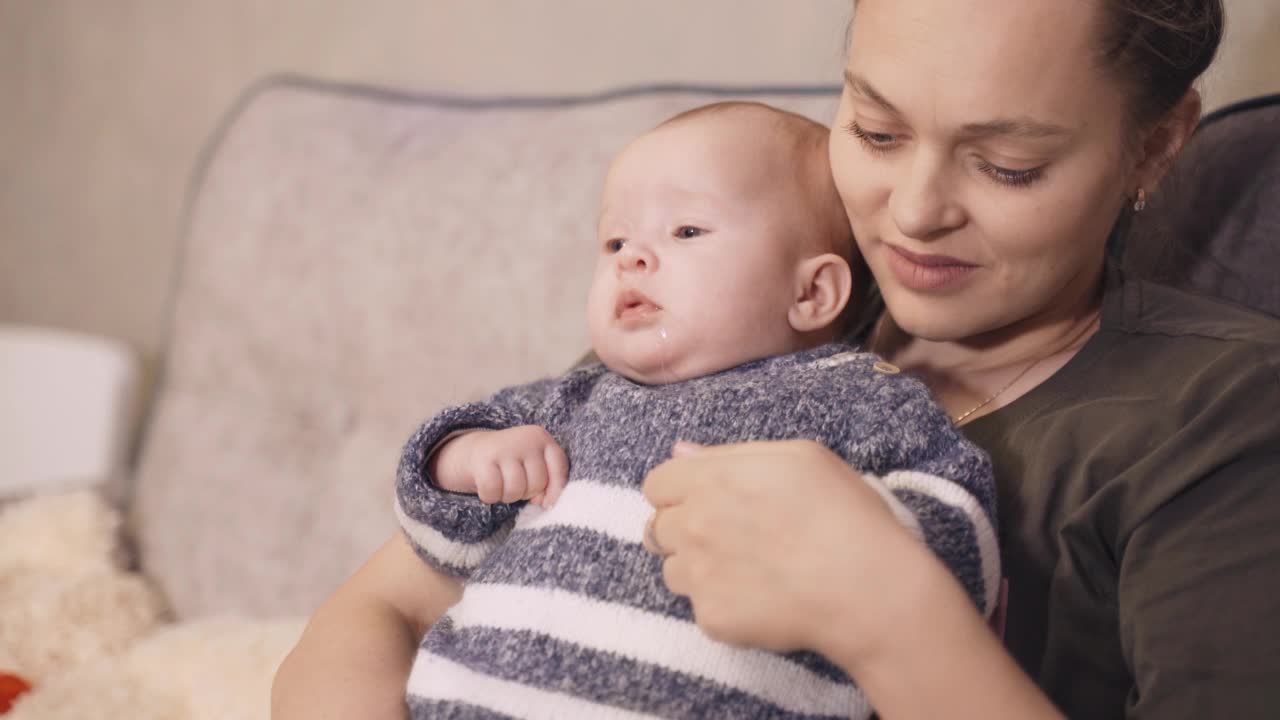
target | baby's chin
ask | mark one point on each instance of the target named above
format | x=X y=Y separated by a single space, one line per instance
x=653 y=368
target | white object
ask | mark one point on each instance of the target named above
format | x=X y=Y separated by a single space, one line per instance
x=66 y=405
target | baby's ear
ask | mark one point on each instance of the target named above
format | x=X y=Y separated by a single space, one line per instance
x=823 y=286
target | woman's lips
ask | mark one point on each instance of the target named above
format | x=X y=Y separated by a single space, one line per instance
x=928 y=272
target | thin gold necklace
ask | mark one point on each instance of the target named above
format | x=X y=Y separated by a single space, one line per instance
x=960 y=418
x=875 y=336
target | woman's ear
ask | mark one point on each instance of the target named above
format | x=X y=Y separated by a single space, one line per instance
x=1161 y=145
x=823 y=286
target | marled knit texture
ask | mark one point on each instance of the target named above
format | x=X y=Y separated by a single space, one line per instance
x=565 y=614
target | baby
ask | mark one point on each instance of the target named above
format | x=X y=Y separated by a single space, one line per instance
x=724 y=272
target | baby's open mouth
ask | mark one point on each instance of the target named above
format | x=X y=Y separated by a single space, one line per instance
x=634 y=305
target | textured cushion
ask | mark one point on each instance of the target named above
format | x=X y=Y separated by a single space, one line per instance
x=1214 y=225
x=354 y=261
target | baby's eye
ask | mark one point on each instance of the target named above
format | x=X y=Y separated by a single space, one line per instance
x=614 y=245
x=685 y=232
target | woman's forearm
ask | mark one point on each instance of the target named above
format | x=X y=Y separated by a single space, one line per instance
x=354 y=657
x=940 y=659
x=352 y=661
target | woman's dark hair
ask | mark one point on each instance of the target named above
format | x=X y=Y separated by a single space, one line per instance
x=1158 y=48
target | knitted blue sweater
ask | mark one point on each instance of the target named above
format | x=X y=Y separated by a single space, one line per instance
x=564 y=614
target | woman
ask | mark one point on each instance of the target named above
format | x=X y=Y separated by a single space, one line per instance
x=984 y=149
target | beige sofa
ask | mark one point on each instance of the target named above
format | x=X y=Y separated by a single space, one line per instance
x=354 y=260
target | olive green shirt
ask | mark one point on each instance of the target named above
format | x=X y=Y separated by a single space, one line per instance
x=1139 y=508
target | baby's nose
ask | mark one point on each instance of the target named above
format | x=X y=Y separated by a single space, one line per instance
x=636 y=258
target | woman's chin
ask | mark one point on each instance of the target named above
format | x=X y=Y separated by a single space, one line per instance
x=936 y=320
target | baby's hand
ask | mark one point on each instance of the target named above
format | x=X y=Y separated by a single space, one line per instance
x=519 y=463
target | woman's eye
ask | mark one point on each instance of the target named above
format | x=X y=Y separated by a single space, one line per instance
x=686 y=232
x=1012 y=178
x=614 y=245
x=875 y=141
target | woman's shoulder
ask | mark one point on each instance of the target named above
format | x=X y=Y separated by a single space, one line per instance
x=1149 y=307
x=1176 y=327
x=1172 y=380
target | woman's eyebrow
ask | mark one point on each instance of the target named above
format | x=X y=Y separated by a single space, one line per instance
x=1016 y=127
x=864 y=88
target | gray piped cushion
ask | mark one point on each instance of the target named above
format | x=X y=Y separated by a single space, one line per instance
x=355 y=260
x=1214 y=224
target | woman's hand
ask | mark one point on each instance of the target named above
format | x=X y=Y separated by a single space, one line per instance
x=779 y=545
x=782 y=546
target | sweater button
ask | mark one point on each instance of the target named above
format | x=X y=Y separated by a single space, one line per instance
x=885 y=367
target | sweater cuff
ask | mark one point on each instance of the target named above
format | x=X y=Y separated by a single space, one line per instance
x=454 y=532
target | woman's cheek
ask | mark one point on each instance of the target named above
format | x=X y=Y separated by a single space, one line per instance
x=843 y=155
x=862 y=189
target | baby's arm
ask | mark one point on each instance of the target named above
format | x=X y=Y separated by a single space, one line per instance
x=519 y=463
x=940 y=486
x=948 y=501
x=466 y=473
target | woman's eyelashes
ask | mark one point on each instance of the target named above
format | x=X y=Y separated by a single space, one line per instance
x=880 y=143
x=873 y=141
x=1014 y=178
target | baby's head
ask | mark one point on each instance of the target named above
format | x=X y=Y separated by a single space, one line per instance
x=721 y=240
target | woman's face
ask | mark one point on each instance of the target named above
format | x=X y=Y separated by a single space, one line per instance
x=978 y=150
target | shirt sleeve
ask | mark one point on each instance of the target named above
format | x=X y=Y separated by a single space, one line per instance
x=454 y=532
x=1199 y=577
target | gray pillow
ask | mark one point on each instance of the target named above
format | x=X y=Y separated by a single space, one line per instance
x=1214 y=224
x=355 y=259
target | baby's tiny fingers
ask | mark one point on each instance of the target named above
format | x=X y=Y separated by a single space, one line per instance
x=535 y=472
x=557 y=472
x=488 y=479
x=514 y=481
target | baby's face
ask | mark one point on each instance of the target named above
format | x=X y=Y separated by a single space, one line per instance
x=698 y=247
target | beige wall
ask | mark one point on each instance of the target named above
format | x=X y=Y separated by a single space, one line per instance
x=105 y=104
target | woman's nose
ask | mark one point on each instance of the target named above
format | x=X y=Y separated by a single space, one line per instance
x=923 y=204
x=636 y=257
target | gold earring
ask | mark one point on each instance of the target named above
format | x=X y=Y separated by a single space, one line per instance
x=1140 y=203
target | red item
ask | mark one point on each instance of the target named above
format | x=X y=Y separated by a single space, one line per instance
x=11 y=686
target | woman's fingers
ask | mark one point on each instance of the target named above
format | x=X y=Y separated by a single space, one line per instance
x=671 y=482
x=693 y=466
x=737 y=526
x=652 y=542
x=684 y=448
x=675 y=574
